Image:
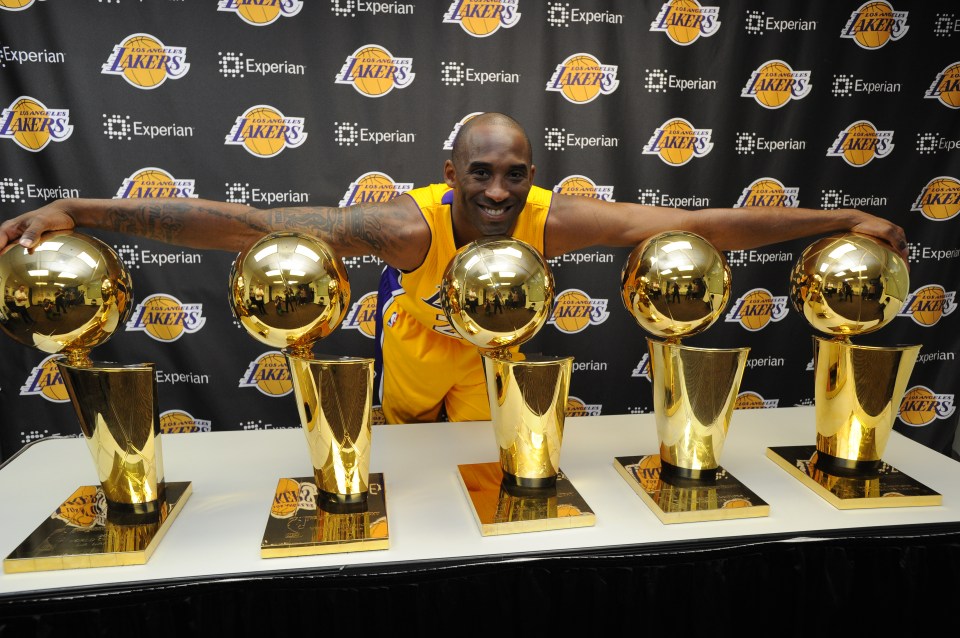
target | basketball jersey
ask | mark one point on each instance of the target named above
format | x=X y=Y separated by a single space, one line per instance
x=416 y=294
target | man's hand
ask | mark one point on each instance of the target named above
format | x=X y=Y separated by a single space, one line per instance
x=30 y=227
x=885 y=231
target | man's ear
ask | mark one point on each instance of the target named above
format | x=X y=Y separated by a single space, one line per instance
x=533 y=171
x=449 y=174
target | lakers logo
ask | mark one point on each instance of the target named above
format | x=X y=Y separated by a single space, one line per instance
x=374 y=72
x=363 y=315
x=577 y=407
x=373 y=188
x=32 y=126
x=581 y=78
x=874 y=24
x=767 y=191
x=481 y=18
x=261 y=12
x=684 y=21
x=939 y=199
x=15 y=5
x=774 y=84
x=574 y=310
x=922 y=406
x=85 y=508
x=269 y=374
x=946 y=87
x=860 y=142
x=583 y=187
x=154 y=182
x=677 y=142
x=291 y=496
x=144 y=62
x=448 y=143
x=181 y=422
x=752 y=401
x=166 y=318
x=264 y=131
x=45 y=380
x=756 y=309
x=646 y=471
x=927 y=305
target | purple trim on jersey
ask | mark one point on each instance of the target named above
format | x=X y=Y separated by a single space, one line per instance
x=447 y=198
x=388 y=288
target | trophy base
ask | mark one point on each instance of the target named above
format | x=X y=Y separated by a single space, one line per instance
x=502 y=507
x=78 y=534
x=315 y=522
x=883 y=487
x=678 y=499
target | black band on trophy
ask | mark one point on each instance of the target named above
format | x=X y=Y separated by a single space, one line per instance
x=134 y=513
x=521 y=488
x=846 y=467
x=676 y=475
x=512 y=481
x=341 y=503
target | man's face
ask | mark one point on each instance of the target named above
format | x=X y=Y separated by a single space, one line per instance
x=491 y=182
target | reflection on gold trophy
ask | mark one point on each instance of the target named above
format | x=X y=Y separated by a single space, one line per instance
x=676 y=285
x=847 y=285
x=497 y=292
x=289 y=290
x=68 y=296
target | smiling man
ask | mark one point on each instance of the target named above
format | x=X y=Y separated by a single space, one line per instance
x=488 y=190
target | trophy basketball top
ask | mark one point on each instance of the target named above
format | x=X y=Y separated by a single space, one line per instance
x=848 y=284
x=497 y=292
x=289 y=290
x=69 y=295
x=675 y=284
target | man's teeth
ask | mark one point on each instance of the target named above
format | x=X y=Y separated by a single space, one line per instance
x=493 y=212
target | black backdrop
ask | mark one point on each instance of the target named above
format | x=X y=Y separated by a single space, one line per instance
x=773 y=92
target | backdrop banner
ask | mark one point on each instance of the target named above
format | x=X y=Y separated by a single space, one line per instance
x=681 y=103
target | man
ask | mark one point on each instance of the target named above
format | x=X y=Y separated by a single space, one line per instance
x=488 y=190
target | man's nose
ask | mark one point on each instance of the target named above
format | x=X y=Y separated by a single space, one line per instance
x=496 y=191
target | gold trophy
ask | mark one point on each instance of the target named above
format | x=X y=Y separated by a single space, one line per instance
x=847 y=285
x=289 y=290
x=497 y=292
x=675 y=285
x=77 y=294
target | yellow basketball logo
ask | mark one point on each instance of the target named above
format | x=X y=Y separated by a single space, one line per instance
x=84 y=508
x=166 y=318
x=448 y=143
x=927 y=305
x=373 y=188
x=647 y=472
x=45 y=380
x=774 y=84
x=263 y=131
x=756 y=309
x=269 y=374
x=374 y=72
x=575 y=407
x=481 y=18
x=860 y=143
x=581 y=186
x=574 y=310
x=286 y=500
x=874 y=24
x=260 y=13
x=767 y=191
x=685 y=21
x=15 y=5
x=32 y=126
x=180 y=422
x=145 y=62
x=922 y=406
x=946 y=86
x=363 y=315
x=749 y=401
x=939 y=199
x=677 y=141
x=581 y=78
x=154 y=182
